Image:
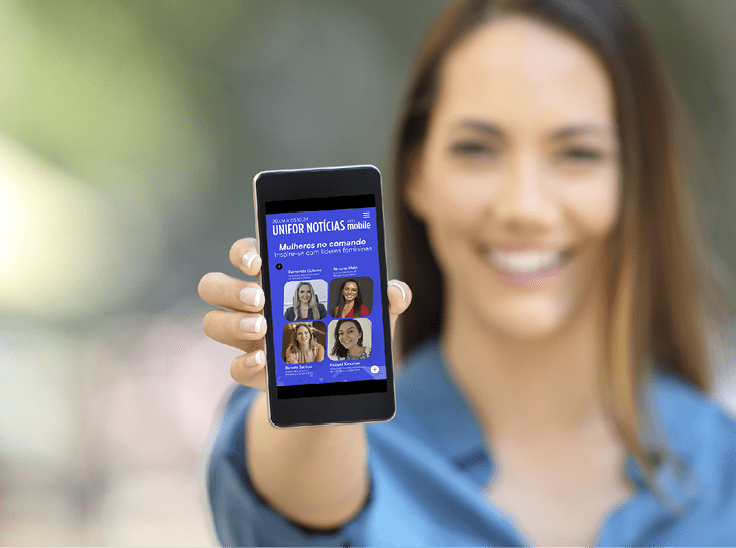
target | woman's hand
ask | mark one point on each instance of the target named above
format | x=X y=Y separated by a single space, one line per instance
x=242 y=325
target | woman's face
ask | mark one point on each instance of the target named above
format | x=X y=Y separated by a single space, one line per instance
x=305 y=294
x=303 y=336
x=348 y=335
x=350 y=291
x=518 y=181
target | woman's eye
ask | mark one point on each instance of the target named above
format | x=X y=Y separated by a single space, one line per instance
x=473 y=149
x=581 y=155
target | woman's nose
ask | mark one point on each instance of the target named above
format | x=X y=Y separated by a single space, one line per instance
x=525 y=200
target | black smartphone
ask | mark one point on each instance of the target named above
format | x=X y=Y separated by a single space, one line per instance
x=328 y=344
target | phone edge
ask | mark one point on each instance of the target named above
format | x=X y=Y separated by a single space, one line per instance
x=260 y=281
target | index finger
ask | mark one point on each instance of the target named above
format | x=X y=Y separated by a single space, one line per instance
x=244 y=256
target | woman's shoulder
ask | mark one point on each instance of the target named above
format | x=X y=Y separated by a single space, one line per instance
x=426 y=396
x=434 y=429
x=689 y=412
x=700 y=429
x=418 y=364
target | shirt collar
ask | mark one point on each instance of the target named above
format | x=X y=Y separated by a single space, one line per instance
x=452 y=427
x=670 y=408
x=447 y=418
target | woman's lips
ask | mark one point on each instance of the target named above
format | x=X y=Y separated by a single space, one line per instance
x=526 y=266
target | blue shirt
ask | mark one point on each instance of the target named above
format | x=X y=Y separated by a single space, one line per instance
x=429 y=466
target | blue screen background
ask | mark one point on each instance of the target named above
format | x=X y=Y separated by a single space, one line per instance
x=328 y=260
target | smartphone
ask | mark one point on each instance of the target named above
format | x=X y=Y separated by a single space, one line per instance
x=328 y=344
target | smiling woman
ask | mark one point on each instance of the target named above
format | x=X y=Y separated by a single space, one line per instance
x=554 y=389
x=305 y=304
x=303 y=346
x=349 y=340
x=518 y=183
x=349 y=300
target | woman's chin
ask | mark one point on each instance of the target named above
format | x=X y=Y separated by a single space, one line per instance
x=529 y=323
x=528 y=330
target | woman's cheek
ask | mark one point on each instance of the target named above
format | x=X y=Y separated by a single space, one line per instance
x=454 y=185
x=467 y=194
x=595 y=207
x=459 y=210
x=449 y=240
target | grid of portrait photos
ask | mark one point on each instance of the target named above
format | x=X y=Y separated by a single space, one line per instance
x=327 y=321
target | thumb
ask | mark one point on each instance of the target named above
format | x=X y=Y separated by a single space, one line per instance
x=399 y=299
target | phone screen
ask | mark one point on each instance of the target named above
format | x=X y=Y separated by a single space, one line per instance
x=325 y=290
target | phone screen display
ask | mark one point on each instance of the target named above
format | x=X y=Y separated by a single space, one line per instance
x=325 y=289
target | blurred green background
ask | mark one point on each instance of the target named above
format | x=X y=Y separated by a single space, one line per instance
x=129 y=135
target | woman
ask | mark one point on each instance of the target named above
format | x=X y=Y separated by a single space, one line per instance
x=350 y=301
x=554 y=390
x=305 y=305
x=303 y=348
x=349 y=341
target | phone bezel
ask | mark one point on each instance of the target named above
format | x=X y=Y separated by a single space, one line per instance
x=326 y=182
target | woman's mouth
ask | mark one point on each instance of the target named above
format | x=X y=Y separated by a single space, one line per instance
x=526 y=266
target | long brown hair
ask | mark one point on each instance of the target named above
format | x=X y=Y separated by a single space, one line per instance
x=313 y=302
x=338 y=349
x=657 y=294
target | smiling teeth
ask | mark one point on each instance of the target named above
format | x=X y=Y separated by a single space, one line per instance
x=524 y=262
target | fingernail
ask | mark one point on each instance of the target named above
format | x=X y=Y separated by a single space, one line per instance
x=255 y=359
x=252 y=324
x=403 y=293
x=248 y=258
x=251 y=295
